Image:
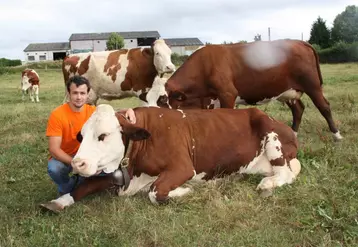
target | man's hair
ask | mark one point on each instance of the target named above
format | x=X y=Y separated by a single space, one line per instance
x=78 y=81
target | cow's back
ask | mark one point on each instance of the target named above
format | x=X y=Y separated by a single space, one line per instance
x=216 y=141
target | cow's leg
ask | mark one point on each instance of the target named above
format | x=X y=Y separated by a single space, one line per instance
x=297 y=107
x=36 y=90
x=31 y=93
x=23 y=94
x=283 y=172
x=92 y=97
x=323 y=106
x=227 y=100
x=167 y=185
x=88 y=186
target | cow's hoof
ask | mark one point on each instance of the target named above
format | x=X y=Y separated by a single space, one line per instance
x=266 y=193
x=52 y=207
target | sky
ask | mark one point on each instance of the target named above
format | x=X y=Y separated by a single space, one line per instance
x=40 y=21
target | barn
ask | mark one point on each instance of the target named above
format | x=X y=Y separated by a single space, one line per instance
x=46 y=51
x=184 y=46
x=88 y=42
x=85 y=42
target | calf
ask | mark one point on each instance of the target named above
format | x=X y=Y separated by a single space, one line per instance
x=30 y=83
x=166 y=148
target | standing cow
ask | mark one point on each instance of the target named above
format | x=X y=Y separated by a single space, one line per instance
x=30 y=83
x=120 y=73
x=251 y=74
x=166 y=148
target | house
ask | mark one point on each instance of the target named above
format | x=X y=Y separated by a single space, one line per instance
x=85 y=42
x=184 y=46
x=46 y=51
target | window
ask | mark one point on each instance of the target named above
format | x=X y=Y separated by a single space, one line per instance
x=31 y=58
x=42 y=57
x=98 y=41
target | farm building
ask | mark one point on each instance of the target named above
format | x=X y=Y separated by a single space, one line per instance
x=184 y=46
x=80 y=42
x=46 y=51
x=87 y=42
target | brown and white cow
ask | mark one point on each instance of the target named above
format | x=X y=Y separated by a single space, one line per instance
x=30 y=83
x=120 y=73
x=251 y=74
x=166 y=148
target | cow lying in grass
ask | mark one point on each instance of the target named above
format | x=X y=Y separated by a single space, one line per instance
x=166 y=148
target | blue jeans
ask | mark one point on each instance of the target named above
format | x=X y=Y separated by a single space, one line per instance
x=60 y=174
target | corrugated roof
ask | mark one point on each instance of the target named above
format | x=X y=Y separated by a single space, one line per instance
x=183 y=42
x=105 y=36
x=48 y=46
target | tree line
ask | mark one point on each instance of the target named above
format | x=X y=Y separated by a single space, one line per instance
x=340 y=43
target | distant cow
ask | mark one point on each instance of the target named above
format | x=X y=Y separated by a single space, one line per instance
x=251 y=74
x=120 y=73
x=30 y=83
x=166 y=148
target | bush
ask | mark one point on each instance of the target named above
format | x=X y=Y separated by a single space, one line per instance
x=9 y=62
x=341 y=52
x=316 y=47
x=178 y=60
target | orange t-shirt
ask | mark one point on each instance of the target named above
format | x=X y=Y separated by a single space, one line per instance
x=66 y=123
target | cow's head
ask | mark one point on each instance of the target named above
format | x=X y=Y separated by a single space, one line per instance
x=162 y=57
x=102 y=141
x=26 y=80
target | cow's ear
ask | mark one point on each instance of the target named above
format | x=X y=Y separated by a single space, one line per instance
x=135 y=133
x=143 y=97
x=148 y=51
x=79 y=137
x=177 y=95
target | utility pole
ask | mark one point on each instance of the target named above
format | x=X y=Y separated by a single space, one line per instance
x=269 y=34
x=302 y=36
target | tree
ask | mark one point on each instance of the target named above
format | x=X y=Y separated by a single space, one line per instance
x=320 y=34
x=115 y=41
x=345 y=25
x=227 y=42
x=242 y=42
x=257 y=37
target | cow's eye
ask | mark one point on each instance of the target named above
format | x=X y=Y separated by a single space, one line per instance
x=101 y=137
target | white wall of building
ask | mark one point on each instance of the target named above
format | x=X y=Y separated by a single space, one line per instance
x=36 y=56
x=130 y=43
x=184 y=50
x=99 y=45
x=82 y=44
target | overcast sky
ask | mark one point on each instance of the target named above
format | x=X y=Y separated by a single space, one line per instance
x=37 y=21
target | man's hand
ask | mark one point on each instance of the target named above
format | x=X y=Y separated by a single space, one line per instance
x=131 y=116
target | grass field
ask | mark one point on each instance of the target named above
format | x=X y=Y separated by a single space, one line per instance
x=319 y=209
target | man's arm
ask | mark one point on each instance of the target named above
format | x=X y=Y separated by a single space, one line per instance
x=54 y=144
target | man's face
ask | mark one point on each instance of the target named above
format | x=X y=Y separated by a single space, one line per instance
x=78 y=95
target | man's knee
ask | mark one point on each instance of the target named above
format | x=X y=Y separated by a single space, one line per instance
x=57 y=167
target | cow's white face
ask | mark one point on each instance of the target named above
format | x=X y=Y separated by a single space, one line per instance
x=25 y=82
x=102 y=147
x=162 y=57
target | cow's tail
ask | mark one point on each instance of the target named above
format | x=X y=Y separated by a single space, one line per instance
x=317 y=61
x=65 y=77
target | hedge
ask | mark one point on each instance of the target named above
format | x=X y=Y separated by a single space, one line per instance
x=339 y=53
